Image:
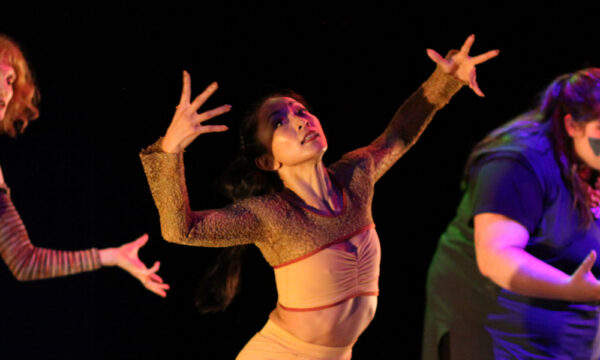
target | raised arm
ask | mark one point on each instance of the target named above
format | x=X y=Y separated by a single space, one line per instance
x=413 y=116
x=163 y=165
x=233 y=225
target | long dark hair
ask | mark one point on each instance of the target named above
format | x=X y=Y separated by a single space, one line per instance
x=577 y=94
x=241 y=180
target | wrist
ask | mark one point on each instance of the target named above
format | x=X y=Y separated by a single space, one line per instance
x=167 y=147
x=108 y=256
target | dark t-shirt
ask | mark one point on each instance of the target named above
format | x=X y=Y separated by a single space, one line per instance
x=507 y=187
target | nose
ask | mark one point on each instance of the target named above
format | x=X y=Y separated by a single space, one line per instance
x=301 y=123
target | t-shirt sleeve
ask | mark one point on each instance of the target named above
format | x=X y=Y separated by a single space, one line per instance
x=508 y=187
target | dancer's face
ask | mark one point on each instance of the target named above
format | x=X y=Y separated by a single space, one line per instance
x=7 y=78
x=586 y=141
x=292 y=134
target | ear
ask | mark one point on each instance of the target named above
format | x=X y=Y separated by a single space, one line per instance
x=571 y=125
x=266 y=162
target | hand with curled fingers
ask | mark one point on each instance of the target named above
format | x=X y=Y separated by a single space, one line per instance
x=187 y=123
x=462 y=66
x=583 y=285
x=126 y=257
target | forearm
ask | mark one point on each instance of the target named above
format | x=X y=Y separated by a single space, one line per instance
x=28 y=262
x=412 y=118
x=516 y=270
x=166 y=178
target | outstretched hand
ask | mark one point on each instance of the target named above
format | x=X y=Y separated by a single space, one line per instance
x=126 y=257
x=186 y=125
x=462 y=66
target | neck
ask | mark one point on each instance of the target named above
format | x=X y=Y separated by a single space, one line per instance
x=312 y=184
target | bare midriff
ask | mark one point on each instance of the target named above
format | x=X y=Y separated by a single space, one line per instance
x=336 y=326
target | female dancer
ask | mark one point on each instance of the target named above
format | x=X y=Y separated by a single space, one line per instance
x=318 y=232
x=498 y=286
x=18 y=97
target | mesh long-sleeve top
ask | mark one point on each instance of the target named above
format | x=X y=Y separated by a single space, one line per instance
x=28 y=262
x=278 y=224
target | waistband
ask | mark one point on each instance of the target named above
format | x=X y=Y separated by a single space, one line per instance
x=275 y=333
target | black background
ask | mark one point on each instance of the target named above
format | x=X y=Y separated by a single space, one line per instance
x=110 y=77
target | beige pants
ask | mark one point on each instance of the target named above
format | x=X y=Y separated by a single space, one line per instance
x=274 y=343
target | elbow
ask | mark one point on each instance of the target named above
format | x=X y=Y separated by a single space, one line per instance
x=484 y=268
x=175 y=237
x=484 y=263
x=21 y=273
x=170 y=236
x=492 y=268
x=23 y=267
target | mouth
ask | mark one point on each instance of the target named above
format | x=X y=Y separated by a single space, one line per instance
x=310 y=136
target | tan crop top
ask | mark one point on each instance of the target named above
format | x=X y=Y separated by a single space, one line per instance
x=345 y=269
x=277 y=223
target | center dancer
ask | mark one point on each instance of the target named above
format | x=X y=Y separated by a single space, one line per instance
x=317 y=232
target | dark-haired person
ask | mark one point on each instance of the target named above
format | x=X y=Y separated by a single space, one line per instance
x=513 y=274
x=18 y=98
x=317 y=232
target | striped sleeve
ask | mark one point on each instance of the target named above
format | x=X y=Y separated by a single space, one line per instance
x=28 y=262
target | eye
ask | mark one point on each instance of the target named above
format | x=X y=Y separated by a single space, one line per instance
x=277 y=122
x=301 y=111
x=10 y=80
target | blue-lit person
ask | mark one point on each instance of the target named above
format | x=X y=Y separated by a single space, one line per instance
x=513 y=274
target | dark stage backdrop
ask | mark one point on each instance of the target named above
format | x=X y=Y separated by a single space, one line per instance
x=110 y=77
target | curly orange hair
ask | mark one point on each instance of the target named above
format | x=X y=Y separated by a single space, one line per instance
x=23 y=106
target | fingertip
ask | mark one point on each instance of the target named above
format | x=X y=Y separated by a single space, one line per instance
x=142 y=240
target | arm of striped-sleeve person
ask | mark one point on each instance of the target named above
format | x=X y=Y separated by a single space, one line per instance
x=28 y=262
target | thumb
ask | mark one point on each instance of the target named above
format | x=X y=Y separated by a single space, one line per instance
x=154 y=267
x=587 y=264
x=141 y=241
